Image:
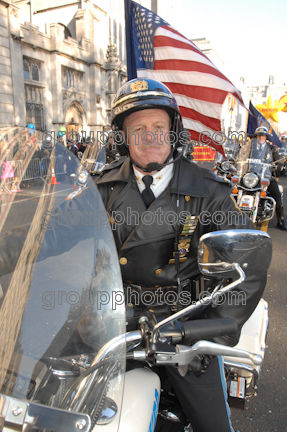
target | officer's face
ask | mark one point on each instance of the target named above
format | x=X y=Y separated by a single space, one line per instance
x=261 y=139
x=146 y=134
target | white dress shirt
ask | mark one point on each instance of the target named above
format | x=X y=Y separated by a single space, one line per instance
x=160 y=179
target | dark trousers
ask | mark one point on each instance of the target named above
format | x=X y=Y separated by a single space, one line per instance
x=274 y=192
x=204 y=398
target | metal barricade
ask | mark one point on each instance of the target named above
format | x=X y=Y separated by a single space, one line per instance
x=37 y=168
x=33 y=170
x=59 y=165
x=44 y=166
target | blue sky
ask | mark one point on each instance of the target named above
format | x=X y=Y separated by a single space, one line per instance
x=250 y=36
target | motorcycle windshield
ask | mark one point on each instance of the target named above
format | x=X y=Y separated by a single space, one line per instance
x=94 y=158
x=256 y=158
x=230 y=149
x=61 y=297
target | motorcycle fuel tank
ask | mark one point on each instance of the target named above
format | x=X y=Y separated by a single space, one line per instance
x=140 y=403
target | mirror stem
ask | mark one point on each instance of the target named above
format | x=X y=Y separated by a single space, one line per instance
x=199 y=303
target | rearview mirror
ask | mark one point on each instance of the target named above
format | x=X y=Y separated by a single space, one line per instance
x=219 y=251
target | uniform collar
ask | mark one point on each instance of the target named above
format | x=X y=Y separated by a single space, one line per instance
x=157 y=177
x=191 y=180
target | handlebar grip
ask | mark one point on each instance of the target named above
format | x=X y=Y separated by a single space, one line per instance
x=208 y=328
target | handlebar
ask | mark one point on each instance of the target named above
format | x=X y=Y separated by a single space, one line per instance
x=188 y=331
x=209 y=328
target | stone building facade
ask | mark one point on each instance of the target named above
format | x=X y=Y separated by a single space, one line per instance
x=61 y=62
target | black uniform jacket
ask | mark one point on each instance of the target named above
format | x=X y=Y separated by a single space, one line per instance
x=145 y=237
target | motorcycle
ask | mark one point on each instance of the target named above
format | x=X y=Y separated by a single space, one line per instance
x=64 y=344
x=254 y=166
x=94 y=159
x=283 y=156
x=224 y=167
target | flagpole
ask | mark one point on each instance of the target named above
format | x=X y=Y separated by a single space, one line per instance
x=131 y=61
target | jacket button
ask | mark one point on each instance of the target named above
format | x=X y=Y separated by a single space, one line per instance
x=187 y=198
x=112 y=220
x=123 y=261
x=158 y=271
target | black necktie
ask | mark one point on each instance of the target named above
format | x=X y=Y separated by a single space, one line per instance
x=147 y=193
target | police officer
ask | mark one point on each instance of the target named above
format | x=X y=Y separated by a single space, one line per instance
x=262 y=134
x=111 y=151
x=160 y=205
x=284 y=141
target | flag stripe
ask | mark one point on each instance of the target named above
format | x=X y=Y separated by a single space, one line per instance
x=174 y=42
x=194 y=115
x=192 y=78
x=202 y=138
x=187 y=66
x=168 y=52
x=205 y=108
x=172 y=33
x=194 y=126
x=198 y=93
x=165 y=40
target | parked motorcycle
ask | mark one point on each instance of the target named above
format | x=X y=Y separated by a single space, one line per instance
x=63 y=319
x=254 y=164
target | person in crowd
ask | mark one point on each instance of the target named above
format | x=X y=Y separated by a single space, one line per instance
x=261 y=137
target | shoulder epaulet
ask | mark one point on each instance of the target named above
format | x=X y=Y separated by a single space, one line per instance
x=114 y=164
x=110 y=166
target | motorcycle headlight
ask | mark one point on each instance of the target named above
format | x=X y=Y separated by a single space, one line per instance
x=225 y=166
x=83 y=177
x=250 y=180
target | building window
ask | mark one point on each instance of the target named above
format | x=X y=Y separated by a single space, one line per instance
x=31 y=70
x=34 y=115
x=26 y=70
x=34 y=107
x=71 y=78
x=35 y=72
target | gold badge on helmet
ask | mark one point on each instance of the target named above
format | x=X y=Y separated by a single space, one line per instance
x=139 y=85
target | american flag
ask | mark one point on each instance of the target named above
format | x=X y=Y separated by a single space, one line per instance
x=158 y=51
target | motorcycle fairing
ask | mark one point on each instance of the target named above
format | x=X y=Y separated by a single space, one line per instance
x=59 y=276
